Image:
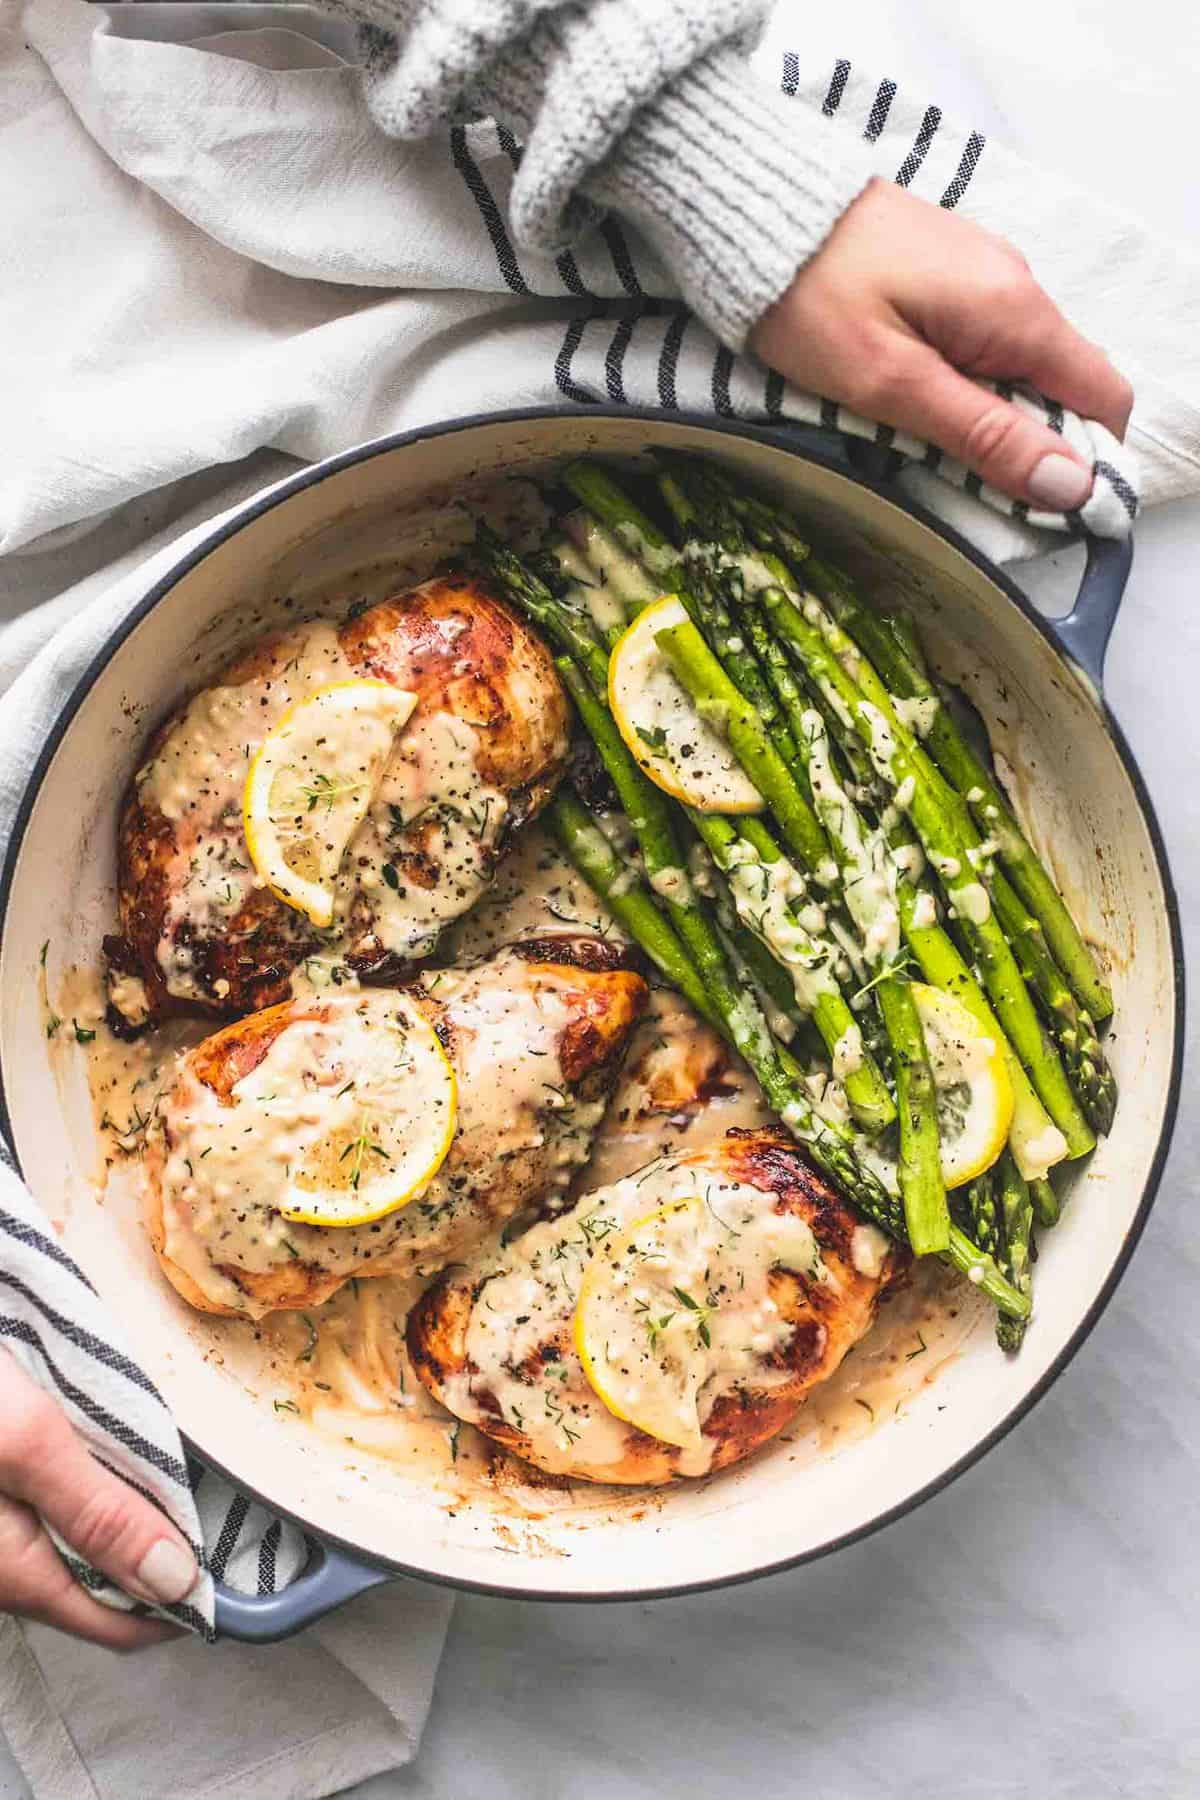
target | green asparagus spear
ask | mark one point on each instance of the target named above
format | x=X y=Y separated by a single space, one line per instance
x=649 y=812
x=637 y=534
x=892 y=751
x=705 y=603
x=737 y=1016
x=972 y=779
x=809 y=963
x=1033 y=1132
x=1046 y=1203
x=926 y=1213
x=1069 y=1025
x=757 y=1044
x=565 y=628
x=981 y=1210
x=627 y=899
x=1016 y=1222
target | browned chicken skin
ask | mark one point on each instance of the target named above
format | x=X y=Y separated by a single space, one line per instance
x=520 y=1380
x=481 y=754
x=536 y=1037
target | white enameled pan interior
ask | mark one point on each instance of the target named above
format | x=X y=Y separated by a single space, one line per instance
x=777 y=1507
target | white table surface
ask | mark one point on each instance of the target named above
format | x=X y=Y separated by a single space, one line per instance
x=1032 y=1630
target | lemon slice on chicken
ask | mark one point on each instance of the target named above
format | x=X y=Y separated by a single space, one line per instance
x=660 y=724
x=642 y=1322
x=974 y=1088
x=374 y=1136
x=309 y=787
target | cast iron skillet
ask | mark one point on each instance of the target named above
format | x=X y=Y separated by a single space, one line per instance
x=335 y=1572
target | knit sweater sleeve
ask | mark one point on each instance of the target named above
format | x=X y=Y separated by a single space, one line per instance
x=643 y=107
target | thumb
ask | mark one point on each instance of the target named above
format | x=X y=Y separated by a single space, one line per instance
x=990 y=435
x=104 y=1520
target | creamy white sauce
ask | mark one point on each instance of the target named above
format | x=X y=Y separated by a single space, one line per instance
x=910 y=860
x=618 y=571
x=659 y=559
x=421 y=856
x=672 y=884
x=1039 y=1154
x=128 y=995
x=589 y=591
x=424 y=853
x=764 y=895
x=529 y=1301
x=848 y=1053
x=970 y=901
x=924 y=913
x=602 y=606
x=537 y=893
x=869 y=870
x=752 y=574
x=918 y=714
x=868 y=1250
x=226 y=1166
x=883 y=744
x=679 y=1306
x=195 y=780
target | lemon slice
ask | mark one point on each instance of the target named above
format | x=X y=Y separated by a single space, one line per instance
x=658 y=721
x=374 y=1136
x=974 y=1088
x=309 y=787
x=642 y=1322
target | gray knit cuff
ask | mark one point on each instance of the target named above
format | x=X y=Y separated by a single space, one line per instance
x=575 y=83
x=734 y=187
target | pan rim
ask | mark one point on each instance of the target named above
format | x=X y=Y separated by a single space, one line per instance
x=773 y=437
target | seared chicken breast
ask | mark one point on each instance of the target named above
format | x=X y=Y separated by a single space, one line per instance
x=705 y=1295
x=535 y=1038
x=478 y=757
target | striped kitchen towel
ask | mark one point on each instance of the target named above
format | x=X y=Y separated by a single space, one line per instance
x=231 y=306
x=55 y=1324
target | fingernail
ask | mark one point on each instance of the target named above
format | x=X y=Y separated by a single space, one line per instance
x=167 y=1571
x=1059 y=484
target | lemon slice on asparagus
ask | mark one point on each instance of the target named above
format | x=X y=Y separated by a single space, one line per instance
x=376 y=1134
x=974 y=1088
x=659 y=722
x=309 y=787
x=641 y=1322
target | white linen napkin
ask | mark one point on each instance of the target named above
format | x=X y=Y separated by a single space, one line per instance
x=344 y=1701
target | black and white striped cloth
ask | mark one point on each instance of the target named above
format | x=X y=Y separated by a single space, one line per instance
x=635 y=346
x=55 y=1324
x=408 y=302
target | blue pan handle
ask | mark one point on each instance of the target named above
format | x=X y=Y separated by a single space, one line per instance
x=329 y=1578
x=1085 y=631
